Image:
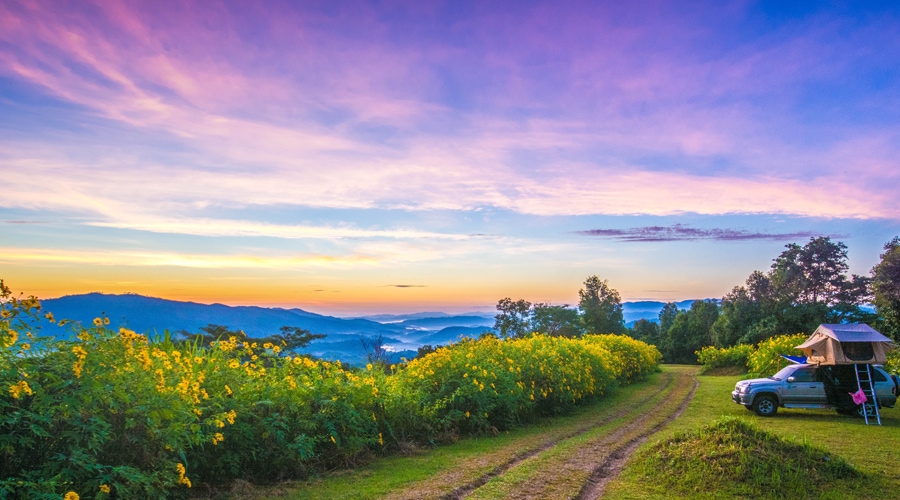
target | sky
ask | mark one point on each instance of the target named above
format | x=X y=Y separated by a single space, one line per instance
x=354 y=158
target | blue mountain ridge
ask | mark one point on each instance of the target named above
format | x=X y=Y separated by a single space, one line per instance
x=401 y=334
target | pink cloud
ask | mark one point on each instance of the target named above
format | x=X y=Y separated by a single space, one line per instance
x=353 y=109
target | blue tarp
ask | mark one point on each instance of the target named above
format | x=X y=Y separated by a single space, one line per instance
x=795 y=359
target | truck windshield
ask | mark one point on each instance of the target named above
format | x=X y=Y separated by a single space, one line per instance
x=784 y=373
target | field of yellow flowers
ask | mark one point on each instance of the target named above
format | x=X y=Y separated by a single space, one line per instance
x=113 y=414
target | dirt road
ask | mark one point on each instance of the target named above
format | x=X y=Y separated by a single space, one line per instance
x=572 y=463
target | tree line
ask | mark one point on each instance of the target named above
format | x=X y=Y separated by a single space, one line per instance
x=805 y=286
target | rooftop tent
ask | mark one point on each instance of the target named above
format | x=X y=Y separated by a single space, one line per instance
x=846 y=345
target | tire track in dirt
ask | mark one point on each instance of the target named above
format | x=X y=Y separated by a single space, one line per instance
x=466 y=489
x=612 y=466
x=563 y=474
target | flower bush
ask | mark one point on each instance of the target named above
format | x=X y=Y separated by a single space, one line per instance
x=767 y=359
x=735 y=356
x=112 y=413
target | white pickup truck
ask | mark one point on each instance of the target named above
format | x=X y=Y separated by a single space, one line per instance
x=807 y=386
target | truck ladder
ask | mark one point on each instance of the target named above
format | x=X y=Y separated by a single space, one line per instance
x=866 y=384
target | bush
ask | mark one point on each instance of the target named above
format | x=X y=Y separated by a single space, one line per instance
x=735 y=356
x=893 y=361
x=767 y=358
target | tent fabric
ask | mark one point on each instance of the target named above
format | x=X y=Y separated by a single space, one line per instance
x=846 y=345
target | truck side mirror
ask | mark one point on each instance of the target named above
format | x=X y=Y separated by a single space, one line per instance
x=791 y=379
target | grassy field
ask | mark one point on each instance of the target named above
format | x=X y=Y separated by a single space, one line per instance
x=548 y=458
x=871 y=449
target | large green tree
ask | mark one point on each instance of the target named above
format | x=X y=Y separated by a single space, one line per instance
x=646 y=331
x=806 y=286
x=886 y=288
x=690 y=332
x=513 y=320
x=667 y=317
x=739 y=313
x=557 y=321
x=601 y=307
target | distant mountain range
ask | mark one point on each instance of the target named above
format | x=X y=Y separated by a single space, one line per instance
x=402 y=334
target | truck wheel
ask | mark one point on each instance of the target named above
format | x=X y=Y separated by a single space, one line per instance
x=865 y=410
x=765 y=405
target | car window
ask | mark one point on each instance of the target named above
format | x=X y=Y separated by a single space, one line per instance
x=805 y=375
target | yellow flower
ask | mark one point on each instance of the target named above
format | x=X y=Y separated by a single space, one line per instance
x=50 y=317
x=182 y=479
x=98 y=322
x=228 y=390
x=104 y=488
x=105 y=321
x=380 y=439
x=71 y=496
x=20 y=388
x=333 y=440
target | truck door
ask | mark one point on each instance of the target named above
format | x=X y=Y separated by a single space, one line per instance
x=803 y=387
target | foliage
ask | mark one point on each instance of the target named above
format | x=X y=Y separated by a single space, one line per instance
x=601 y=307
x=806 y=286
x=667 y=318
x=513 y=318
x=724 y=357
x=556 y=321
x=289 y=337
x=893 y=361
x=646 y=331
x=489 y=383
x=690 y=332
x=115 y=414
x=886 y=287
x=767 y=359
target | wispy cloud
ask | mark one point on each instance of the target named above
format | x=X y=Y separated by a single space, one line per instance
x=679 y=232
x=224 y=227
x=200 y=261
x=406 y=286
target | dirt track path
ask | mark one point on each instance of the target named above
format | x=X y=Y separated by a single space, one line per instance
x=577 y=463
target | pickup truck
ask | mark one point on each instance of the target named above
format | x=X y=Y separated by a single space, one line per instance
x=804 y=386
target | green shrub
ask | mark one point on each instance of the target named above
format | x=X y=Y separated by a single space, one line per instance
x=893 y=361
x=734 y=356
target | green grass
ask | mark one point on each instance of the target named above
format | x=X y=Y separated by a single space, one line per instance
x=742 y=461
x=868 y=449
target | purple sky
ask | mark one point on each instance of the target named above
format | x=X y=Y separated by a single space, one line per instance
x=313 y=154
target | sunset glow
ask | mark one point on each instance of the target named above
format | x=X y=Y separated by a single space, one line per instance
x=361 y=157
